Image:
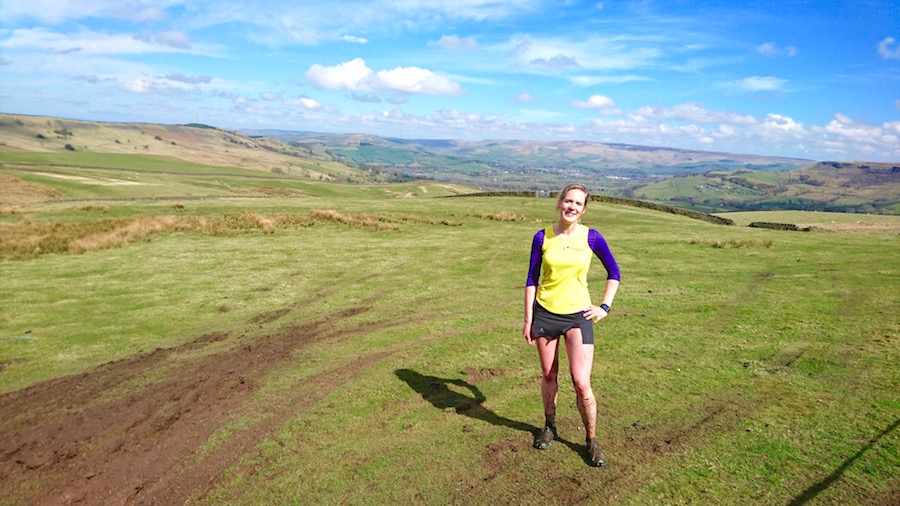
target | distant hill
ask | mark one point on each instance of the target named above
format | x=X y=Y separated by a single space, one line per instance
x=193 y=142
x=529 y=165
x=696 y=180
x=825 y=186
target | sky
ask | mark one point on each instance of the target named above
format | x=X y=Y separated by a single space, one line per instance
x=815 y=79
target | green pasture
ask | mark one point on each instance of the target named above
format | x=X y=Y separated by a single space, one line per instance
x=127 y=162
x=806 y=217
x=764 y=371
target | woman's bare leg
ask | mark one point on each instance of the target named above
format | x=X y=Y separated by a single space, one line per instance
x=581 y=361
x=548 y=351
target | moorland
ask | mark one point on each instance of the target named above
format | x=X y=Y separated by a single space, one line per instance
x=191 y=315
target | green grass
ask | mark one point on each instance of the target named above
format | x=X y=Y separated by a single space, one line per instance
x=805 y=217
x=723 y=375
x=129 y=162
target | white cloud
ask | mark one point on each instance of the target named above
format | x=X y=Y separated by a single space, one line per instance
x=91 y=42
x=455 y=43
x=595 y=102
x=57 y=11
x=174 y=38
x=696 y=113
x=270 y=96
x=770 y=48
x=526 y=98
x=767 y=48
x=756 y=84
x=415 y=80
x=587 y=81
x=546 y=55
x=781 y=124
x=356 y=76
x=600 y=103
x=306 y=103
x=353 y=75
x=366 y=97
x=189 y=79
x=355 y=40
x=559 y=61
x=155 y=86
x=886 y=52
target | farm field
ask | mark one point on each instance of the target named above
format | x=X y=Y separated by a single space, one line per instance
x=361 y=344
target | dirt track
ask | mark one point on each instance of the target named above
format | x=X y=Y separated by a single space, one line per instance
x=128 y=432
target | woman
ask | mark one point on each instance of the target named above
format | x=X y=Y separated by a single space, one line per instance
x=557 y=303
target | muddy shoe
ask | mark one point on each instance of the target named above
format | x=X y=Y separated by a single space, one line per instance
x=595 y=453
x=546 y=437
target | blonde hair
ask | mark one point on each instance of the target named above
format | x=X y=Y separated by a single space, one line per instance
x=574 y=186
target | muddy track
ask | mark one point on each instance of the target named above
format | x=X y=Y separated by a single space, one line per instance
x=137 y=430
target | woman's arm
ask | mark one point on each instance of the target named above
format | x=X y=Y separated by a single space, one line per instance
x=596 y=313
x=530 y=292
x=534 y=272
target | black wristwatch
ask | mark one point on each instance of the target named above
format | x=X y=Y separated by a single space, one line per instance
x=604 y=307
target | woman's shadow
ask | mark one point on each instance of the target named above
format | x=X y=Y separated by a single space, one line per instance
x=437 y=391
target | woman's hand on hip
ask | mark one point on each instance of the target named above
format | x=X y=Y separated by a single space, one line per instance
x=595 y=313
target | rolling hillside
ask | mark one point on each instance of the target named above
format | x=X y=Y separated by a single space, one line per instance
x=696 y=180
x=826 y=186
x=193 y=143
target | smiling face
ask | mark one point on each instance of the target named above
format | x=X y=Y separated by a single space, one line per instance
x=571 y=205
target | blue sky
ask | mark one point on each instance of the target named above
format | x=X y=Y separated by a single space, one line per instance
x=807 y=79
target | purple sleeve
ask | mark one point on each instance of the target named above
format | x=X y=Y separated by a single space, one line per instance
x=599 y=247
x=534 y=266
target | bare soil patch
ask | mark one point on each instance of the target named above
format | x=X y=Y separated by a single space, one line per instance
x=88 y=439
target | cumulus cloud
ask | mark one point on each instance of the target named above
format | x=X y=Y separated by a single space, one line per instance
x=355 y=75
x=600 y=103
x=270 y=96
x=415 y=80
x=885 y=50
x=455 y=43
x=781 y=124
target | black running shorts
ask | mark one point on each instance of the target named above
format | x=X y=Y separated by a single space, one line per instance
x=552 y=325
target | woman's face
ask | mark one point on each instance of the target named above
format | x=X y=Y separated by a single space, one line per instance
x=571 y=207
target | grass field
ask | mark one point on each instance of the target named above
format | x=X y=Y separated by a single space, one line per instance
x=351 y=347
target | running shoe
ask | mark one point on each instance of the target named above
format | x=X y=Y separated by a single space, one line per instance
x=546 y=437
x=595 y=453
